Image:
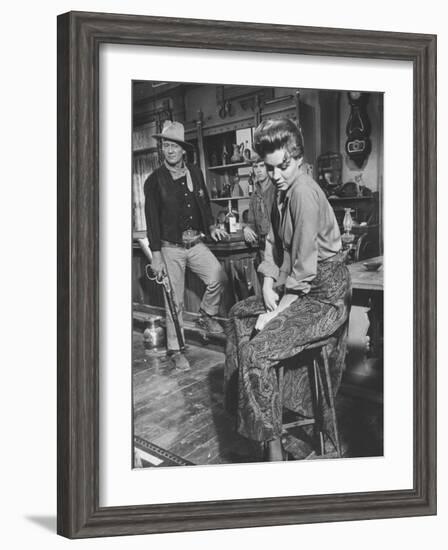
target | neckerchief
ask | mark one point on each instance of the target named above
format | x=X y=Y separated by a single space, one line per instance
x=177 y=173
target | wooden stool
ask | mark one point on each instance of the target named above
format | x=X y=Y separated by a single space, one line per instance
x=321 y=388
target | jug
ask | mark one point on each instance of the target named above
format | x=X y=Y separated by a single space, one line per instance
x=236 y=156
x=154 y=335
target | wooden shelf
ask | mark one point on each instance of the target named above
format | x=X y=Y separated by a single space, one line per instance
x=224 y=167
x=367 y=198
x=225 y=199
x=144 y=151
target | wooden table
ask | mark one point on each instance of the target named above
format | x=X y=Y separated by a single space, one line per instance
x=362 y=279
x=368 y=292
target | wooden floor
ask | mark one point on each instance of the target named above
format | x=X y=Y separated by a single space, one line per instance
x=184 y=413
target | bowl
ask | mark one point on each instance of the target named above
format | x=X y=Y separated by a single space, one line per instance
x=372 y=266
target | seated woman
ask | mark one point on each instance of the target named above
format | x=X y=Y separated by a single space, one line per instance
x=306 y=289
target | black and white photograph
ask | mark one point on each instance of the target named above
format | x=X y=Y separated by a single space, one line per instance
x=257 y=274
x=222 y=273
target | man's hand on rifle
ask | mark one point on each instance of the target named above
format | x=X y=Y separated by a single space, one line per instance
x=157 y=264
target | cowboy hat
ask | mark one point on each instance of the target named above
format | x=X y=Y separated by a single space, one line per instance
x=174 y=131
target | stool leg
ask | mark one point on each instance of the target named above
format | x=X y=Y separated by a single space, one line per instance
x=318 y=413
x=280 y=375
x=331 y=400
x=280 y=383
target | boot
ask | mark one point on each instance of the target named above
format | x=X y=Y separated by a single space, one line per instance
x=178 y=360
x=207 y=323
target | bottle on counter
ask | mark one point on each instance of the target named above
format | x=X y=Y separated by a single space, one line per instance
x=230 y=219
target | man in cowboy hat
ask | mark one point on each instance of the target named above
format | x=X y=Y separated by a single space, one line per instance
x=178 y=214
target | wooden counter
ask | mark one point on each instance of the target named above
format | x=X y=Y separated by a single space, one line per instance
x=239 y=260
x=368 y=292
x=235 y=255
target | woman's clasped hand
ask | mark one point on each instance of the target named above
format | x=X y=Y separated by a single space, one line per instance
x=264 y=318
x=271 y=299
x=270 y=296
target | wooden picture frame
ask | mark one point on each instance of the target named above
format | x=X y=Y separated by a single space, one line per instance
x=79 y=38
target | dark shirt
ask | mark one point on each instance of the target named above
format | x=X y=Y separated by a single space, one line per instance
x=163 y=206
x=260 y=207
x=191 y=217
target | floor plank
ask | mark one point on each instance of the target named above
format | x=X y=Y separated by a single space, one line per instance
x=184 y=412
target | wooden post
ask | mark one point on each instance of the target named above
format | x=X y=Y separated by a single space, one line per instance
x=257 y=110
x=297 y=98
x=201 y=145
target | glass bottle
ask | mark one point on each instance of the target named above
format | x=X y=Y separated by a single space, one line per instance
x=347 y=238
x=348 y=220
x=230 y=219
x=250 y=188
x=236 y=187
x=214 y=159
x=225 y=155
x=214 y=189
x=247 y=151
x=359 y=184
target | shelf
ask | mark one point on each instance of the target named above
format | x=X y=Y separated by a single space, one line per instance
x=226 y=199
x=224 y=167
x=144 y=151
x=346 y=199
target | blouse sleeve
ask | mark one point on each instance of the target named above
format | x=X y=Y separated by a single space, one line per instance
x=304 y=208
x=268 y=267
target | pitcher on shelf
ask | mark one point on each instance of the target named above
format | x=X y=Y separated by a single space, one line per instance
x=236 y=155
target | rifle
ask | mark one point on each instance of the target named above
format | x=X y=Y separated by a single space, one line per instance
x=163 y=280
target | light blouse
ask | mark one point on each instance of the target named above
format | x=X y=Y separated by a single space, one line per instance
x=309 y=233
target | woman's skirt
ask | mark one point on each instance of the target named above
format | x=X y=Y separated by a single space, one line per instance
x=251 y=386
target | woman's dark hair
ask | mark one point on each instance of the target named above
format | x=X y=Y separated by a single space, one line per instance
x=272 y=135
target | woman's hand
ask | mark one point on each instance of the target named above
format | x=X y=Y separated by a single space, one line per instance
x=270 y=297
x=249 y=234
x=264 y=319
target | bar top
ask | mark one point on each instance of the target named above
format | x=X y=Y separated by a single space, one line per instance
x=235 y=242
